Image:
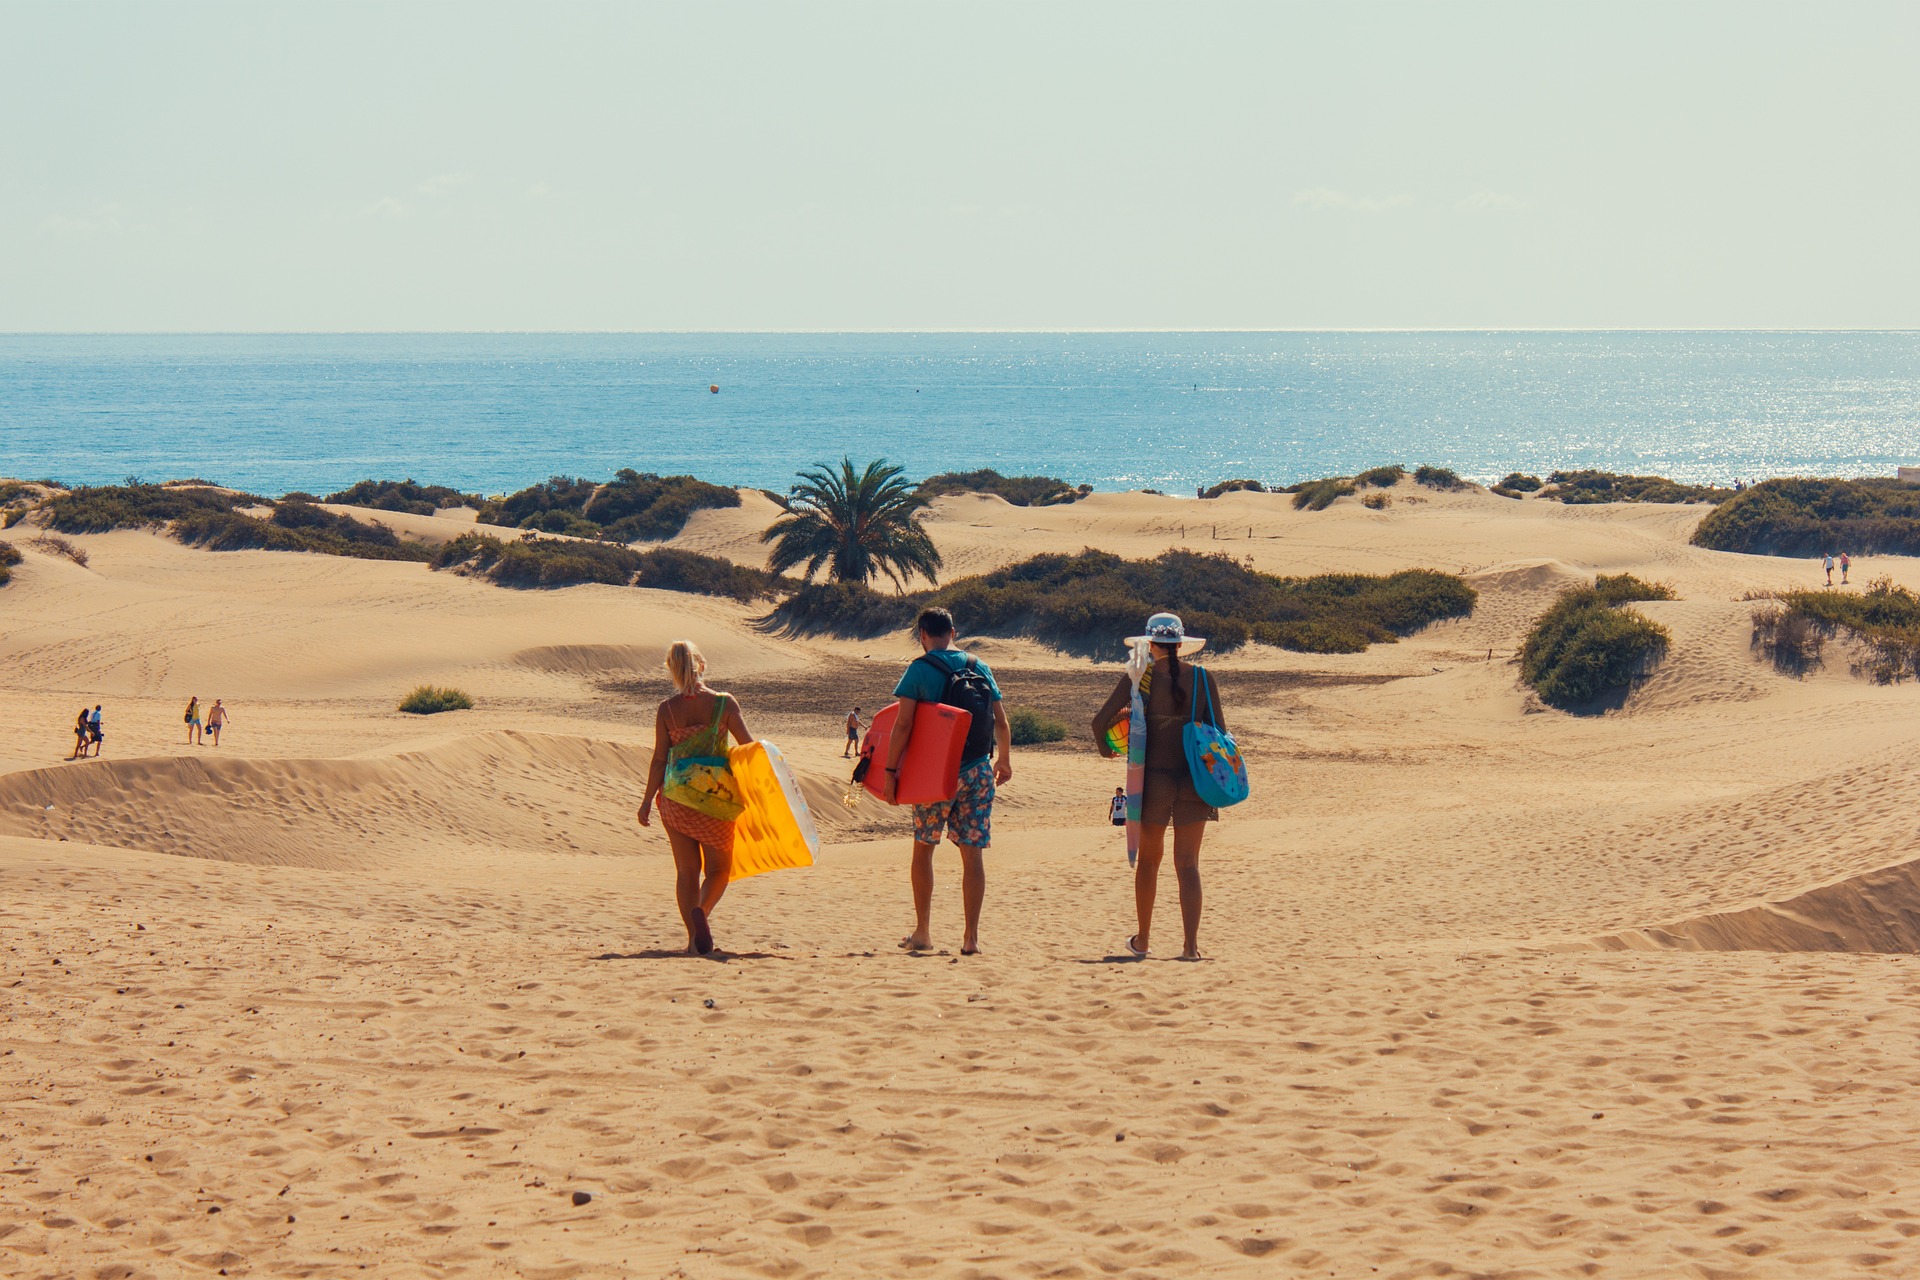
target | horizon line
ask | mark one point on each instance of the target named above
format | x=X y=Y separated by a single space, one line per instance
x=957 y=332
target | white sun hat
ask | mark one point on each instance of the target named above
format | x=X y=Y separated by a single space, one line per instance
x=1166 y=628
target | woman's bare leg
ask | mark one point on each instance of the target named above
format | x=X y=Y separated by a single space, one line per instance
x=1146 y=881
x=1186 y=868
x=719 y=867
x=686 y=878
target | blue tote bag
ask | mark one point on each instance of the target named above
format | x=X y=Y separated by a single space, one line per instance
x=1213 y=757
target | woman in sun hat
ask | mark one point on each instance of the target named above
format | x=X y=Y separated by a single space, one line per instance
x=1154 y=698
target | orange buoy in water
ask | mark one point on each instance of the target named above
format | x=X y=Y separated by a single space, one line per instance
x=715 y=388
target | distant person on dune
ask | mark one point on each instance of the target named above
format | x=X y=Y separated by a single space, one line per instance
x=1167 y=794
x=1829 y=564
x=690 y=727
x=95 y=735
x=193 y=719
x=1846 y=563
x=944 y=674
x=80 y=736
x=216 y=720
x=854 y=725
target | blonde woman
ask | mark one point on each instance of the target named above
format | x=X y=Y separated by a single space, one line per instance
x=193 y=719
x=694 y=722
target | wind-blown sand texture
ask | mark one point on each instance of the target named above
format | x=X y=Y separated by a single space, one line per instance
x=1493 y=991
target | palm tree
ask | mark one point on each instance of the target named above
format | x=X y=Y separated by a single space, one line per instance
x=855 y=523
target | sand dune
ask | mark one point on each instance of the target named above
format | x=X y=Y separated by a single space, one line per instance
x=1493 y=991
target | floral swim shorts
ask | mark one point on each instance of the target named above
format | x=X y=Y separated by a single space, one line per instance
x=968 y=817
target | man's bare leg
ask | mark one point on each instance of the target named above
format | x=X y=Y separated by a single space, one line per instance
x=973 y=892
x=922 y=937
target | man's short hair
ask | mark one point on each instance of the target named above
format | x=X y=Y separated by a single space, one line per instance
x=935 y=622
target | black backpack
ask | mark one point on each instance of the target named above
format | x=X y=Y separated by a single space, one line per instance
x=970 y=691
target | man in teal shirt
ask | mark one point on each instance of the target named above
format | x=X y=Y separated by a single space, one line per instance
x=944 y=673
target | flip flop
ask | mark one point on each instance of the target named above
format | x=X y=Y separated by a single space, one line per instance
x=702 y=935
x=1138 y=953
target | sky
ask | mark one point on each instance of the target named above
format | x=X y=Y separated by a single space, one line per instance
x=391 y=166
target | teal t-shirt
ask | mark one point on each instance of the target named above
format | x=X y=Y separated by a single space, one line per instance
x=924 y=684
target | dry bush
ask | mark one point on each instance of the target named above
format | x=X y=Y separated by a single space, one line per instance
x=55 y=545
x=1788 y=639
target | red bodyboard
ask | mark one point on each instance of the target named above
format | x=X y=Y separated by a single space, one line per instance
x=931 y=770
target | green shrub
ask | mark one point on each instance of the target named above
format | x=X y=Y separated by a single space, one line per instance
x=98 y=509
x=296 y=526
x=1233 y=486
x=631 y=507
x=1381 y=477
x=1318 y=495
x=9 y=556
x=1584 y=649
x=1020 y=491
x=1580 y=488
x=1812 y=517
x=1518 y=482
x=1788 y=639
x=548 y=562
x=1377 y=501
x=1031 y=728
x=1086 y=603
x=401 y=495
x=1624 y=588
x=1442 y=478
x=1884 y=618
x=428 y=700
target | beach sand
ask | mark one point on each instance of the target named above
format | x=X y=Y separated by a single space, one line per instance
x=1492 y=990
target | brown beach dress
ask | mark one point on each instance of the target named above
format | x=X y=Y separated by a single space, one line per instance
x=1169 y=795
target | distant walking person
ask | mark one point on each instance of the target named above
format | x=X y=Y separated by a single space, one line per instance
x=1117 y=811
x=80 y=726
x=193 y=719
x=1846 y=563
x=692 y=726
x=216 y=720
x=1167 y=795
x=854 y=725
x=944 y=674
x=1829 y=564
x=95 y=736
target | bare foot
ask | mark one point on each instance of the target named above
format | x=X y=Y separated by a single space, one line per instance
x=914 y=942
x=702 y=936
x=972 y=949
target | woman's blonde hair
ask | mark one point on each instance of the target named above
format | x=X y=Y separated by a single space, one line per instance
x=685 y=665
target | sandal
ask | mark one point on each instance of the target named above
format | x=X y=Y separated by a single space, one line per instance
x=1138 y=953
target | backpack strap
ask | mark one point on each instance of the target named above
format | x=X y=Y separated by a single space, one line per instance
x=946 y=674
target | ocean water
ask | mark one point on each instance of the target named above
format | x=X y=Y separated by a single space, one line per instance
x=1171 y=411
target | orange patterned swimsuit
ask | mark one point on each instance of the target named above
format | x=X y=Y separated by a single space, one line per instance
x=715 y=833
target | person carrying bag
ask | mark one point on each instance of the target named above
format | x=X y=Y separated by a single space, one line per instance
x=1183 y=767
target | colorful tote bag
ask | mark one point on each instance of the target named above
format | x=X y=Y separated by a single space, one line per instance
x=1213 y=757
x=698 y=775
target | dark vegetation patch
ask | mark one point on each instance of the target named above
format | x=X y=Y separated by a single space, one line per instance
x=1318 y=495
x=296 y=526
x=101 y=508
x=1884 y=619
x=1587 y=652
x=401 y=495
x=427 y=700
x=1381 y=477
x=1087 y=603
x=1377 y=501
x=1031 y=728
x=55 y=545
x=1515 y=483
x=1812 y=517
x=1788 y=639
x=1583 y=488
x=1020 y=491
x=1233 y=486
x=632 y=507
x=9 y=557
x=552 y=562
x=1441 y=478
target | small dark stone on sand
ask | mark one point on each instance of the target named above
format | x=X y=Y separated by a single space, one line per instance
x=213 y=1208
x=1119 y=1137
x=582 y=1197
x=709 y=1003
